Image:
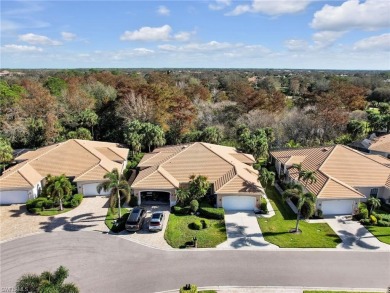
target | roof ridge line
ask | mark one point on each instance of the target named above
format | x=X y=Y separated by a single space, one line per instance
x=112 y=149
x=326 y=159
x=345 y=185
x=25 y=176
x=219 y=155
x=164 y=175
x=149 y=168
x=366 y=156
x=235 y=174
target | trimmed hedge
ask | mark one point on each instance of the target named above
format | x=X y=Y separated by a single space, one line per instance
x=193 y=289
x=263 y=205
x=197 y=225
x=205 y=224
x=180 y=210
x=382 y=223
x=120 y=224
x=40 y=203
x=212 y=213
x=194 y=205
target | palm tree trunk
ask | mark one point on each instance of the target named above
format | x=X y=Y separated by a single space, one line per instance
x=119 y=204
x=61 y=208
x=298 y=216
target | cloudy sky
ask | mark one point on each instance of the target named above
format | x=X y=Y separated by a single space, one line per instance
x=349 y=34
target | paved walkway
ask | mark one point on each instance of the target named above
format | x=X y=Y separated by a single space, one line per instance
x=88 y=216
x=354 y=235
x=243 y=232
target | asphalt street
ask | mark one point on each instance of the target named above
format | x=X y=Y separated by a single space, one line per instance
x=107 y=263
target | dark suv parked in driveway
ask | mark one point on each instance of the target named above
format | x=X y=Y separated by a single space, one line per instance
x=136 y=219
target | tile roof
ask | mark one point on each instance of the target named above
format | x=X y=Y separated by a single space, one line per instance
x=338 y=169
x=84 y=160
x=381 y=144
x=220 y=164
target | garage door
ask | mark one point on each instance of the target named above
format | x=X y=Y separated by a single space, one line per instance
x=233 y=203
x=337 y=207
x=14 y=196
x=90 y=190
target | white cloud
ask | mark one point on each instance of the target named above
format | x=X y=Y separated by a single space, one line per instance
x=162 y=10
x=220 y=4
x=12 y=48
x=368 y=15
x=34 y=39
x=296 y=45
x=325 y=39
x=163 y=33
x=197 y=47
x=375 y=43
x=66 y=36
x=147 y=33
x=273 y=8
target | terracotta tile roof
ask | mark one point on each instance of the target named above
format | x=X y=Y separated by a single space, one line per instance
x=219 y=163
x=380 y=159
x=337 y=167
x=381 y=144
x=75 y=158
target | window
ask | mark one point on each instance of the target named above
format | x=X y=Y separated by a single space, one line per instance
x=374 y=192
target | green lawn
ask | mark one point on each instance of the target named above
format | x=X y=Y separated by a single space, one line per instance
x=276 y=229
x=113 y=215
x=53 y=211
x=178 y=232
x=382 y=233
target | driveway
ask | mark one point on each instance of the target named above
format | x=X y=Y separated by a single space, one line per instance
x=243 y=231
x=152 y=239
x=89 y=216
x=354 y=235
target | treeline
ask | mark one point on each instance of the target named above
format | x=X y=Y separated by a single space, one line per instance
x=151 y=108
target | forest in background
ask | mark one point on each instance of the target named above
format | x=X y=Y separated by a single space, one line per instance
x=148 y=108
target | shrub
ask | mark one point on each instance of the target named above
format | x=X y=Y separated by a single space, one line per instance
x=120 y=224
x=74 y=203
x=30 y=204
x=49 y=204
x=194 y=205
x=263 y=205
x=191 y=289
x=79 y=197
x=320 y=214
x=373 y=220
x=133 y=201
x=382 y=223
x=197 y=225
x=35 y=210
x=365 y=222
x=212 y=213
x=377 y=216
x=363 y=211
x=180 y=210
x=205 y=224
x=66 y=204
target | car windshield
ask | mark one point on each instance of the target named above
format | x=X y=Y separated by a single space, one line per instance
x=156 y=216
x=133 y=218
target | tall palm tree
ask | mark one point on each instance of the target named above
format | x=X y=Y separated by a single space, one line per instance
x=266 y=177
x=303 y=198
x=374 y=203
x=309 y=177
x=58 y=188
x=119 y=189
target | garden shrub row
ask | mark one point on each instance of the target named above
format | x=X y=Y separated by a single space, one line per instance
x=200 y=224
x=263 y=205
x=41 y=203
x=205 y=210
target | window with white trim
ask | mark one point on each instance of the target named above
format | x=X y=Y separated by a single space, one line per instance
x=374 y=192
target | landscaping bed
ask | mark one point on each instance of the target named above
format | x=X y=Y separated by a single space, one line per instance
x=112 y=216
x=276 y=229
x=44 y=206
x=378 y=223
x=180 y=232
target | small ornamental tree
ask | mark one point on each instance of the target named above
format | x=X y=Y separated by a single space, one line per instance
x=198 y=186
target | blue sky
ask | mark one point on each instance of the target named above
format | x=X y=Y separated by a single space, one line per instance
x=349 y=34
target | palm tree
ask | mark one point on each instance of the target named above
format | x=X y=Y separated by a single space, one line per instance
x=297 y=166
x=46 y=282
x=119 y=189
x=58 y=187
x=292 y=144
x=308 y=177
x=266 y=177
x=303 y=198
x=374 y=203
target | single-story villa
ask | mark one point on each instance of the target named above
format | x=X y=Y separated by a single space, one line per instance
x=374 y=145
x=344 y=176
x=230 y=172
x=84 y=162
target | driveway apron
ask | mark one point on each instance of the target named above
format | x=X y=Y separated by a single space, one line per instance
x=243 y=232
x=354 y=235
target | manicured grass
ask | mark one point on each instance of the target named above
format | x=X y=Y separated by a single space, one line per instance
x=207 y=291
x=382 y=233
x=113 y=215
x=178 y=232
x=53 y=211
x=276 y=229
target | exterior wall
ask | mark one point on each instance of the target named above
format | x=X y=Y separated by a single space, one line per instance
x=14 y=196
x=385 y=194
x=220 y=196
x=355 y=202
x=367 y=190
x=80 y=189
x=172 y=196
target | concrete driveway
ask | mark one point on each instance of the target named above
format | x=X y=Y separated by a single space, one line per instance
x=243 y=231
x=354 y=235
x=89 y=216
x=152 y=239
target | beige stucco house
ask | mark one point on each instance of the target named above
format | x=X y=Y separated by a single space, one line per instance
x=83 y=161
x=344 y=176
x=232 y=177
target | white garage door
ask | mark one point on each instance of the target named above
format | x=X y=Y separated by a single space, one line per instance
x=14 y=196
x=337 y=207
x=245 y=203
x=90 y=190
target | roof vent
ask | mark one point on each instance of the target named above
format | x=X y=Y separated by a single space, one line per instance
x=325 y=150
